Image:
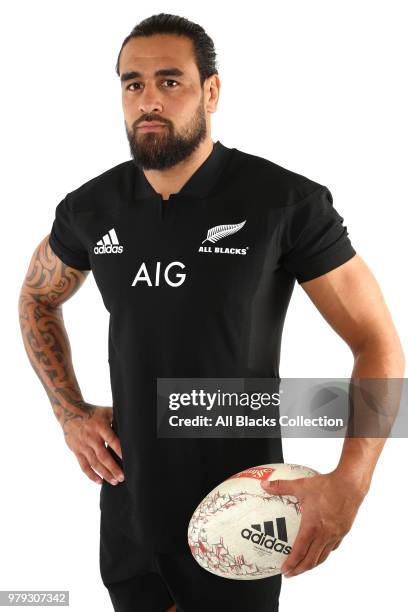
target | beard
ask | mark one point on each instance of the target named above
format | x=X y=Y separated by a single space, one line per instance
x=166 y=148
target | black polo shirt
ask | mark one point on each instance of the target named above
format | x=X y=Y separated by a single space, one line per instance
x=196 y=286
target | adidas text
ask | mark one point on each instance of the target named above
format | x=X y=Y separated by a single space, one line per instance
x=267 y=541
x=108 y=248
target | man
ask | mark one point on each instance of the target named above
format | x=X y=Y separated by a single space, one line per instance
x=180 y=310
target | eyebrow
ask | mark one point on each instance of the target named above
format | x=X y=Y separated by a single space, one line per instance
x=134 y=74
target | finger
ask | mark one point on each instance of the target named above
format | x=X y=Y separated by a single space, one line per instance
x=281 y=487
x=337 y=543
x=86 y=468
x=300 y=548
x=108 y=461
x=309 y=560
x=99 y=467
x=325 y=552
x=112 y=440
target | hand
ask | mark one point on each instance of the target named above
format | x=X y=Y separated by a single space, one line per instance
x=86 y=438
x=329 y=504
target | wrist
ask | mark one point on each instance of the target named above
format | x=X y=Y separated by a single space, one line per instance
x=355 y=480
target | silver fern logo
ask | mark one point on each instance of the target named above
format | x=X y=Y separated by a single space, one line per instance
x=221 y=231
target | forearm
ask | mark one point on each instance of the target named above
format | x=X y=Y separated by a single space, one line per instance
x=47 y=346
x=360 y=454
x=49 y=283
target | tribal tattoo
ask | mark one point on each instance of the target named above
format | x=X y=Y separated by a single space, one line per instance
x=49 y=283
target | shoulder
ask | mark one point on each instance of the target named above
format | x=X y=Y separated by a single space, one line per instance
x=106 y=187
x=278 y=185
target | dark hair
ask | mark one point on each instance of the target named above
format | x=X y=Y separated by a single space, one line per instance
x=164 y=23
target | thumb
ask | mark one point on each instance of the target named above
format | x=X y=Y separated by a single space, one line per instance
x=279 y=487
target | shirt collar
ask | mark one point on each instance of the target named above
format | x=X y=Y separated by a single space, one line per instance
x=202 y=181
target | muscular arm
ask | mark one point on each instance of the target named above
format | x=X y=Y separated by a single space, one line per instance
x=49 y=283
x=351 y=301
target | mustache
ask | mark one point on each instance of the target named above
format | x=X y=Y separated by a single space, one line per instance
x=150 y=118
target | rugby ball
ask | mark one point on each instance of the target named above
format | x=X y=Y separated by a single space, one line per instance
x=241 y=532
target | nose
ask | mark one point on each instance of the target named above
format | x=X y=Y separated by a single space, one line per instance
x=149 y=100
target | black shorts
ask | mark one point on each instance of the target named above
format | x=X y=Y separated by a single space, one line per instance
x=142 y=580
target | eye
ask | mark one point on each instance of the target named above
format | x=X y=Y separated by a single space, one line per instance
x=129 y=86
x=171 y=81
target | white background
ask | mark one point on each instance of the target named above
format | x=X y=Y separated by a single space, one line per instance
x=318 y=87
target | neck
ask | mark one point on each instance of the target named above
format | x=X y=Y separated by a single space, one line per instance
x=171 y=180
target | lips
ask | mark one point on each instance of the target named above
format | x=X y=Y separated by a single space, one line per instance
x=150 y=124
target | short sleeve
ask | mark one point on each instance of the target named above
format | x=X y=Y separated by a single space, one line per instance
x=64 y=240
x=314 y=239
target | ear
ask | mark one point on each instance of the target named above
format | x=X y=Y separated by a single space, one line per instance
x=212 y=86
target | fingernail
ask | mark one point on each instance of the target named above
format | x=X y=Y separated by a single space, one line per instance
x=121 y=478
x=114 y=482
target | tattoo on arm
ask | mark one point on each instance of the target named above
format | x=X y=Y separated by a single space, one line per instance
x=49 y=283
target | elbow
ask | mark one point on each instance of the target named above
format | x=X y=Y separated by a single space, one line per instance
x=385 y=354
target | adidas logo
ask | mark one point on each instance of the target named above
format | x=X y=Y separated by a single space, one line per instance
x=108 y=244
x=266 y=537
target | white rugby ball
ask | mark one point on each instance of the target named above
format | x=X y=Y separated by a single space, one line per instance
x=239 y=531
